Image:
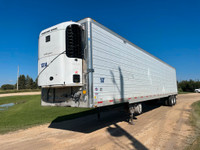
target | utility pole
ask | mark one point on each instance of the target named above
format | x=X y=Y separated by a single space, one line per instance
x=17 y=77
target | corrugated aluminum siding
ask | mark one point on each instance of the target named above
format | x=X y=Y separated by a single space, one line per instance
x=127 y=71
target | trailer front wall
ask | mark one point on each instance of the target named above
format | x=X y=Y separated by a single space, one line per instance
x=123 y=72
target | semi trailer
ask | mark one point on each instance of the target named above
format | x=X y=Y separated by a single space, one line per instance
x=85 y=64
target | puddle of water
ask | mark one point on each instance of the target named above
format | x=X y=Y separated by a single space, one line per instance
x=5 y=106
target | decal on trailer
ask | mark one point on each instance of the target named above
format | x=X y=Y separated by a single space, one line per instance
x=102 y=80
x=43 y=65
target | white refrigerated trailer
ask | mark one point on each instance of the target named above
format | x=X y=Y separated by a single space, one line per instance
x=85 y=64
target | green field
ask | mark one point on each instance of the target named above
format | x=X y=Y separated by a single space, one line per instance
x=195 y=121
x=17 y=91
x=28 y=112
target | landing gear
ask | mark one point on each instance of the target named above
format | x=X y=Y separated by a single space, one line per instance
x=131 y=115
x=134 y=109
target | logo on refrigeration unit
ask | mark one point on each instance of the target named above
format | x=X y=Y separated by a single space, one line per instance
x=43 y=65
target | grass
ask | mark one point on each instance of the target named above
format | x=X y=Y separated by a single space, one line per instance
x=28 y=112
x=184 y=92
x=15 y=91
x=195 y=121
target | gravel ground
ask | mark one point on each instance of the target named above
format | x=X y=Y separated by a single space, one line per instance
x=20 y=93
x=158 y=128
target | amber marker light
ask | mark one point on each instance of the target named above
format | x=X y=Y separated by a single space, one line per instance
x=84 y=91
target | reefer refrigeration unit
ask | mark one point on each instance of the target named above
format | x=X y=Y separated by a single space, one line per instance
x=85 y=64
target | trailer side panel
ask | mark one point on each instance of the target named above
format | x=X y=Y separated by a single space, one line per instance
x=125 y=73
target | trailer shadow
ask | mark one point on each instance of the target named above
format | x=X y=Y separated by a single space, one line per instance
x=110 y=119
x=117 y=131
x=88 y=121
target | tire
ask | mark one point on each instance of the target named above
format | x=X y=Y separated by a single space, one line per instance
x=166 y=102
x=170 y=101
x=174 y=100
x=139 y=108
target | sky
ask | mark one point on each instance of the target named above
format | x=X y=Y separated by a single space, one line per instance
x=170 y=30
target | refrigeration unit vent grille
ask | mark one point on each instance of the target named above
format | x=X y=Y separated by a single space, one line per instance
x=73 y=41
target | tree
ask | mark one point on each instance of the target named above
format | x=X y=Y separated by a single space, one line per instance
x=29 y=82
x=188 y=86
x=7 y=87
x=22 y=82
x=35 y=85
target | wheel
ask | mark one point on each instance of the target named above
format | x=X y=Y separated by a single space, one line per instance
x=174 y=100
x=166 y=102
x=139 y=108
x=170 y=101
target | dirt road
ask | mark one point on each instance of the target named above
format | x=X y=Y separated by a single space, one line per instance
x=160 y=127
x=20 y=93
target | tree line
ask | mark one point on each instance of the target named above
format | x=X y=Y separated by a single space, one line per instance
x=24 y=82
x=188 y=86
